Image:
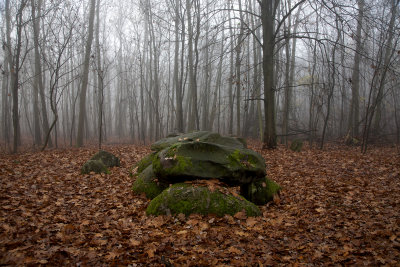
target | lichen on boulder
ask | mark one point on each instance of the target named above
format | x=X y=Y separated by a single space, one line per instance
x=96 y=166
x=187 y=199
x=147 y=183
x=260 y=192
x=202 y=160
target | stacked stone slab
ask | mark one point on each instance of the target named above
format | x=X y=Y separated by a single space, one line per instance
x=202 y=156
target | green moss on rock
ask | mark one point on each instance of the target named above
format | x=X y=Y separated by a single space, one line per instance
x=244 y=160
x=107 y=158
x=186 y=199
x=96 y=166
x=234 y=158
x=147 y=183
x=261 y=191
x=169 y=164
x=145 y=162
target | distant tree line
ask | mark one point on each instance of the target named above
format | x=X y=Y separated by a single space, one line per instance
x=79 y=72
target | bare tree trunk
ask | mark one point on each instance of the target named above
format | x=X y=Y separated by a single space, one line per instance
x=183 y=74
x=143 y=88
x=142 y=109
x=100 y=76
x=311 y=125
x=94 y=100
x=37 y=132
x=387 y=57
x=5 y=105
x=119 y=97
x=196 y=62
x=38 y=80
x=85 y=76
x=268 y=12
x=72 y=130
x=331 y=82
x=257 y=79
x=373 y=106
x=156 y=95
x=355 y=77
x=396 y=116
x=217 y=91
x=55 y=77
x=53 y=125
x=24 y=106
x=192 y=79
x=343 y=89
x=268 y=18
x=287 y=93
x=238 y=71
x=178 y=88
x=207 y=78
x=290 y=51
x=73 y=98
x=293 y=54
x=53 y=105
x=15 y=66
x=231 y=78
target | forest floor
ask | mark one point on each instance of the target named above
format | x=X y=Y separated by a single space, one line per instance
x=337 y=206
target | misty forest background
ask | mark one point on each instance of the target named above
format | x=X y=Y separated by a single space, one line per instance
x=95 y=71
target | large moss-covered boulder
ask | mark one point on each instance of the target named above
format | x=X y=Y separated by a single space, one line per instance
x=187 y=199
x=107 y=158
x=147 y=183
x=260 y=192
x=96 y=166
x=202 y=136
x=193 y=160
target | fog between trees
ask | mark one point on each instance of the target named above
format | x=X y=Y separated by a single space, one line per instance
x=80 y=72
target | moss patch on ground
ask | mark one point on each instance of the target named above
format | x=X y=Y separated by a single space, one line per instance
x=187 y=199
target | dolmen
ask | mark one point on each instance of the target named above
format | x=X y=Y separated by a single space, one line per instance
x=174 y=174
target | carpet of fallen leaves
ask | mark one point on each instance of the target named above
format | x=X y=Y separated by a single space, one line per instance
x=337 y=207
